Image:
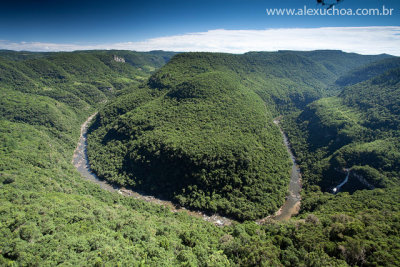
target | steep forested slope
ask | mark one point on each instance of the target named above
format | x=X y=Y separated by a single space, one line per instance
x=198 y=131
x=289 y=80
x=51 y=216
x=359 y=128
x=341 y=63
x=195 y=134
x=367 y=72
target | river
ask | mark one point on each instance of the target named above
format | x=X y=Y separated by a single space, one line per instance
x=293 y=199
x=289 y=208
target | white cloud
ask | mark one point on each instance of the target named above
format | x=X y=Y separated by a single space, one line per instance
x=363 y=40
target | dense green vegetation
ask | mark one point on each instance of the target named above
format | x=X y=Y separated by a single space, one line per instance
x=196 y=135
x=358 y=129
x=366 y=72
x=51 y=216
x=199 y=133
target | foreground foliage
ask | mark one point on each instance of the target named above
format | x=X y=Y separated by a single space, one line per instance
x=51 y=216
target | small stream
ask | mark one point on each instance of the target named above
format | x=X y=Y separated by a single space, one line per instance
x=337 y=188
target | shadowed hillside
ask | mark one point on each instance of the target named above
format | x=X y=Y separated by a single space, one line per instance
x=357 y=129
x=200 y=130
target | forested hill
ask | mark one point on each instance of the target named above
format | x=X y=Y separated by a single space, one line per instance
x=198 y=106
x=341 y=63
x=367 y=72
x=200 y=130
x=98 y=72
x=51 y=94
x=196 y=135
x=289 y=80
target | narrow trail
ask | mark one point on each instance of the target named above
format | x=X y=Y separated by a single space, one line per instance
x=291 y=206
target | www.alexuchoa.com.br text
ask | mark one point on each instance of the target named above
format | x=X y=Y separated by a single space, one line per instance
x=334 y=11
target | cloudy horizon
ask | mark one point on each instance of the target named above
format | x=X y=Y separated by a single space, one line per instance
x=362 y=40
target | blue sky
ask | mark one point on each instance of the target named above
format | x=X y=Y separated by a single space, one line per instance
x=104 y=23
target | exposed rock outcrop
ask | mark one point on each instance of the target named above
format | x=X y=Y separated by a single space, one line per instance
x=118 y=59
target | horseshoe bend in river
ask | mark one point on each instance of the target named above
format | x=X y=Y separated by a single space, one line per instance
x=289 y=208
